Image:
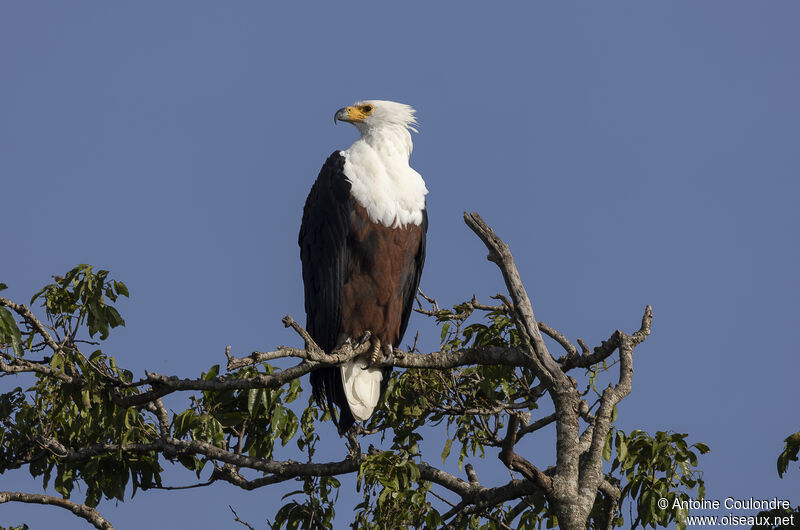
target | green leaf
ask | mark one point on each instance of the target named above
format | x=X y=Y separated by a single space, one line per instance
x=446 y=450
x=113 y=317
x=212 y=373
x=9 y=332
x=231 y=419
x=622 y=451
x=121 y=288
x=703 y=448
x=188 y=461
x=252 y=395
x=57 y=362
x=445 y=329
x=789 y=454
x=3 y=286
x=265 y=398
x=607 y=447
x=278 y=421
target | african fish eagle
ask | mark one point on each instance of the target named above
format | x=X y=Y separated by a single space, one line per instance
x=362 y=244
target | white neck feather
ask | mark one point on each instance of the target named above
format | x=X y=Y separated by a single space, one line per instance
x=382 y=181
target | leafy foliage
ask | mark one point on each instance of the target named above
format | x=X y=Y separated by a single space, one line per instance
x=252 y=419
x=81 y=296
x=39 y=424
x=655 y=467
x=85 y=420
x=317 y=510
x=9 y=332
x=394 y=494
x=779 y=516
x=789 y=454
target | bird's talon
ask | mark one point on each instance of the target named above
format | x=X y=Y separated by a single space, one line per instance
x=376 y=350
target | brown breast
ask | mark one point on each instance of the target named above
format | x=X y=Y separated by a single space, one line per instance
x=381 y=265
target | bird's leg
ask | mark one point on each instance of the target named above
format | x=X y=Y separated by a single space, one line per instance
x=376 y=350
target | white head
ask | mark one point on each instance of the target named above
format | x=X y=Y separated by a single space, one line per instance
x=377 y=163
x=377 y=114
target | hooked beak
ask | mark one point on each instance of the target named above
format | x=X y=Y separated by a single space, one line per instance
x=350 y=115
x=341 y=115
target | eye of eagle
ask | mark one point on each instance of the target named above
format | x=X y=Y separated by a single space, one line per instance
x=367 y=109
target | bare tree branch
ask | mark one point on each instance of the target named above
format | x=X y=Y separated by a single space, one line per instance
x=81 y=510
x=236 y=518
x=517 y=463
x=500 y=254
x=558 y=337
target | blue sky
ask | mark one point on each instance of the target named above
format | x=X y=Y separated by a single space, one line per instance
x=631 y=153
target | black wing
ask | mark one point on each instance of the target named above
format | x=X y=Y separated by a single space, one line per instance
x=324 y=254
x=411 y=284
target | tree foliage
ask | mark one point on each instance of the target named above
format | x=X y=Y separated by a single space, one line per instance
x=78 y=417
x=791 y=448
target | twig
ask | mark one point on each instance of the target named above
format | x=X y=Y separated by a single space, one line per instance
x=234 y=363
x=311 y=346
x=188 y=487
x=469 y=308
x=236 y=515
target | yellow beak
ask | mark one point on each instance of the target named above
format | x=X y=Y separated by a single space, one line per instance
x=349 y=114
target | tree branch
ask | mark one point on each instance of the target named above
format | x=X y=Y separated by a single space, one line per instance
x=22 y=365
x=515 y=462
x=163 y=385
x=81 y=510
x=33 y=322
x=499 y=253
x=591 y=472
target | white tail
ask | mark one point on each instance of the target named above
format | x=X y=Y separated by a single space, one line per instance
x=362 y=387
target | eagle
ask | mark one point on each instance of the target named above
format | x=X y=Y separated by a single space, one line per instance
x=362 y=246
